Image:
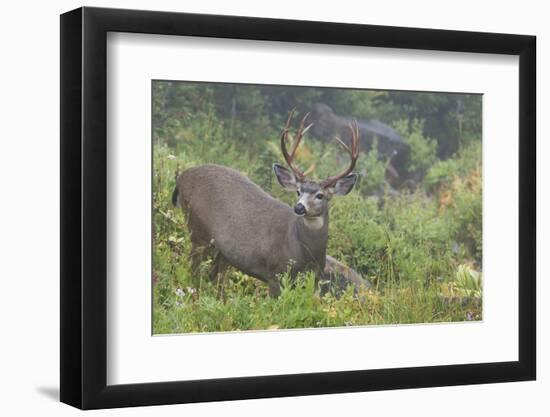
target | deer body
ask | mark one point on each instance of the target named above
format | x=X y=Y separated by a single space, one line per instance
x=253 y=231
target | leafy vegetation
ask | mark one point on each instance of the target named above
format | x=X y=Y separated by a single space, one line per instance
x=420 y=247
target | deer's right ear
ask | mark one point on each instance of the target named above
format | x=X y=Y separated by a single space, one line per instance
x=286 y=178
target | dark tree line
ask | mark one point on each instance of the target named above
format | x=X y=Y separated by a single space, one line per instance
x=450 y=119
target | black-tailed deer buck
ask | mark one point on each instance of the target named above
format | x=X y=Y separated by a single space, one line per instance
x=253 y=231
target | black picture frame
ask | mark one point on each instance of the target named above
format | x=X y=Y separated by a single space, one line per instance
x=84 y=207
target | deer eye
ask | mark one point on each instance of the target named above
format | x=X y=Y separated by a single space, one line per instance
x=319 y=196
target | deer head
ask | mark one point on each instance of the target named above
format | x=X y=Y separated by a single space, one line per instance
x=313 y=196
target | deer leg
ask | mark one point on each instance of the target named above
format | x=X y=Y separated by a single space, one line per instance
x=197 y=256
x=214 y=271
x=199 y=244
x=218 y=274
x=274 y=287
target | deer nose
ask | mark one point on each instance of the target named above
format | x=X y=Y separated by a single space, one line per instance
x=299 y=209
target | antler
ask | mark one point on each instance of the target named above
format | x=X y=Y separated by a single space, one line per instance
x=289 y=158
x=354 y=154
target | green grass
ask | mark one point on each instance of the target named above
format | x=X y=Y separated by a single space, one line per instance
x=421 y=250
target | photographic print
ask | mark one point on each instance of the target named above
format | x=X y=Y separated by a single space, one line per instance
x=289 y=207
x=307 y=193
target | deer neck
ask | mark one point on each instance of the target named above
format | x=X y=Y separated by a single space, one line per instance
x=314 y=226
x=314 y=223
x=312 y=235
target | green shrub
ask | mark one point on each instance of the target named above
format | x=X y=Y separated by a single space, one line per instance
x=423 y=149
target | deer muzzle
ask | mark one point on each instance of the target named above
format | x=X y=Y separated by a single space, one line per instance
x=300 y=209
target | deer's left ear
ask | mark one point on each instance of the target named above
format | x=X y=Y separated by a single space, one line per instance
x=344 y=185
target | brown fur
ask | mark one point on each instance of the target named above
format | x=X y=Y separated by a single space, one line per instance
x=251 y=230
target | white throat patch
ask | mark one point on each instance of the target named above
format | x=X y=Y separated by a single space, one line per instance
x=314 y=222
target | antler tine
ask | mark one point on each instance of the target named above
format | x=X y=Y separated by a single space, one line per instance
x=354 y=140
x=289 y=158
x=284 y=133
x=300 y=134
x=289 y=119
x=343 y=145
x=353 y=152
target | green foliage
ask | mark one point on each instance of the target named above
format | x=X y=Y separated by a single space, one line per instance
x=423 y=149
x=372 y=170
x=452 y=120
x=467 y=160
x=440 y=173
x=457 y=184
x=421 y=249
x=469 y=281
